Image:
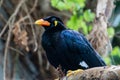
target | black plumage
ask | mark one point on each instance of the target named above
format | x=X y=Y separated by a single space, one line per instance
x=68 y=48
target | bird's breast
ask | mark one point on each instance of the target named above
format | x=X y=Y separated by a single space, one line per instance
x=52 y=41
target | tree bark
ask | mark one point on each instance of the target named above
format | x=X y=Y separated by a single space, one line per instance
x=99 y=36
x=97 y=73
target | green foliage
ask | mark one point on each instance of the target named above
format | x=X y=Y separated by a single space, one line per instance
x=88 y=15
x=111 y=32
x=116 y=51
x=107 y=60
x=70 y=5
x=80 y=19
x=114 y=57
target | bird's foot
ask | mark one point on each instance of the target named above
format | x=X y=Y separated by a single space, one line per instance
x=61 y=74
x=75 y=72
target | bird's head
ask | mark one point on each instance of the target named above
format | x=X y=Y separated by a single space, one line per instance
x=50 y=22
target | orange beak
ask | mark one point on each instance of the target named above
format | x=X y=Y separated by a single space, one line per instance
x=42 y=22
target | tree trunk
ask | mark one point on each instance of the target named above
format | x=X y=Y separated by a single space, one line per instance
x=99 y=36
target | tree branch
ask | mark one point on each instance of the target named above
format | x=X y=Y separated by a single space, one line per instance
x=97 y=73
x=10 y=24
x=99 y=36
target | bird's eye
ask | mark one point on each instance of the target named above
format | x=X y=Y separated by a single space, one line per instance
x=55 y=23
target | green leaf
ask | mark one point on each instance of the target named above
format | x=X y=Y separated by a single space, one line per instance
x=116 y=51
x=115 y=56
x=90 y=27
x=71 y=5
x=58 y=4
x=72 y=23
x=111 y=32
x=107 y=60
x=83 y=26
x=88 y=15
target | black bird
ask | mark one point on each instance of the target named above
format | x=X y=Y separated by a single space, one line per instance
x=67 y=48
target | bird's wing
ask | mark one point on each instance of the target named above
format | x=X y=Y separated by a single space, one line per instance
x=79 y=45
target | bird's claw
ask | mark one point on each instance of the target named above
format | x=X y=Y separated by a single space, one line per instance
x=70 y=72
x=61 y=74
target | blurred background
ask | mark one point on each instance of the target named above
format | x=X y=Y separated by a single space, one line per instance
x=21 y=54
